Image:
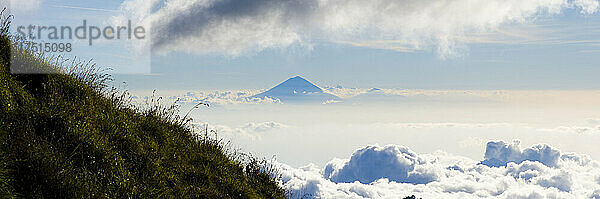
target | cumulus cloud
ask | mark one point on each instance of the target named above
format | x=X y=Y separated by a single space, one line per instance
x=384 y=172
x=396 y=163
x=595 y=195
x=234 y=27
x=501 y=153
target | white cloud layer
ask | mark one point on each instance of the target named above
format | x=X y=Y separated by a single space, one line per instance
x=365 y=95
x=215 y=97
x=395 y=171
x=234 y=26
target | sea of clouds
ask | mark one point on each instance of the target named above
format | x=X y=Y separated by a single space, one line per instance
x=350 y=95
x=394 y=171
x=382 y=95
x=213 y=97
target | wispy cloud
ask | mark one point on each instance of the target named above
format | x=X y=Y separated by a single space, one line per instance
x=86 y=8
x=395 y=45
x=521 y=34
x=234 y=27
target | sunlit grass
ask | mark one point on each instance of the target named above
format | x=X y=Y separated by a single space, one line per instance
x=68 y=135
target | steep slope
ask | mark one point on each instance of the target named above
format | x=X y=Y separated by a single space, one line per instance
x=66 y=136
x=297 y=89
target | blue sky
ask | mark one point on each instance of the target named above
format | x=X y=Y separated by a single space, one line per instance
x=555 y=50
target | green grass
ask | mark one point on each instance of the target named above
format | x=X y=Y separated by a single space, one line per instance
x=67 y=135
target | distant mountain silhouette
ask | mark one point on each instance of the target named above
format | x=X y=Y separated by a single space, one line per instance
x=377 y=95
x=297 y=89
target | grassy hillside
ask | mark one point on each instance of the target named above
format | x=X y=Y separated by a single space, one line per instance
x=69 y=136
